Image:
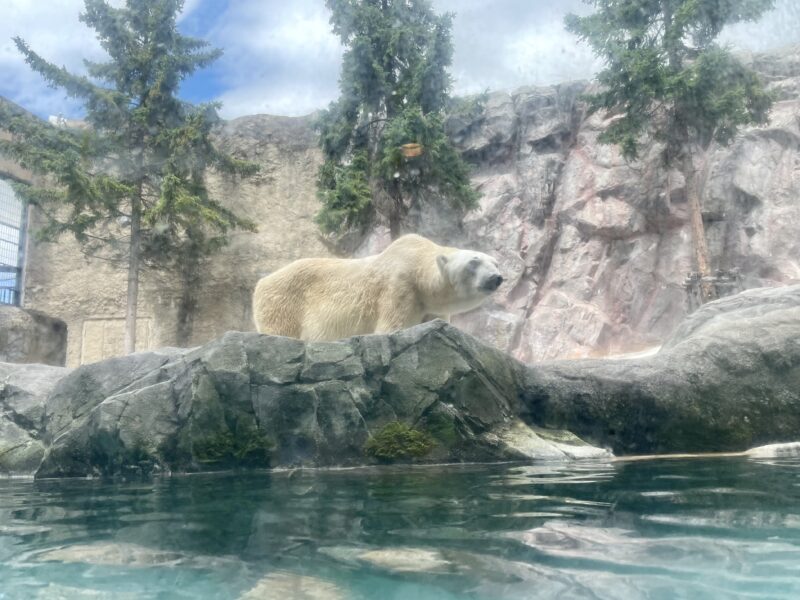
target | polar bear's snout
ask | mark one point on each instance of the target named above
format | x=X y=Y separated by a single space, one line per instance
x=492 y=282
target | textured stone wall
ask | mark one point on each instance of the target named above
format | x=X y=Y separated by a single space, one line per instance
x=595 y=250
x=89 y=294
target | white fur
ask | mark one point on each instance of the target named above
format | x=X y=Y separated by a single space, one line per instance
x=333 y=298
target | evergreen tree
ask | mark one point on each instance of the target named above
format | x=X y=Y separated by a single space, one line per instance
x=666 y=77
x=130 y=186
x=383 y=140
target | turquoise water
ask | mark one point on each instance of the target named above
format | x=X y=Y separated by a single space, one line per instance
x=721 y=528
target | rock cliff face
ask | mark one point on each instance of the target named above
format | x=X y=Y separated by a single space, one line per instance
x=596 y=250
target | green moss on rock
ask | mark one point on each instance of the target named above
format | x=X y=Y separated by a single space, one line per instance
x=396 y=441
x=443 y=428
x=246 y=446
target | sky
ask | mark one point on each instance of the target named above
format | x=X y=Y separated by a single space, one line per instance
x=280 y=56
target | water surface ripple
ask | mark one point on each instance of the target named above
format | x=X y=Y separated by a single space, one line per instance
x=702 y=528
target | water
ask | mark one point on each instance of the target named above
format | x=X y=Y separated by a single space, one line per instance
x=721 y=528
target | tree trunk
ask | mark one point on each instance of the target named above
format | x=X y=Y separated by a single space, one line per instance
x=396 y=211
x=698 y=229
x=133 y=277
x=187 y=305
x=395 y=223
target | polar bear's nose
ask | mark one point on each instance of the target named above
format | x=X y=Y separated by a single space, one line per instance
x=494 y=282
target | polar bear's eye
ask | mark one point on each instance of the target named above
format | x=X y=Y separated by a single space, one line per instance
x=473 y=264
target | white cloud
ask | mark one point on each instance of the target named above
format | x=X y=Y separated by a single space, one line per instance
x=52 y=30
x=188 y=7
x=534 y=49
x=546 y=56
x=280 y=58
x=504 y=44
x=780 y=27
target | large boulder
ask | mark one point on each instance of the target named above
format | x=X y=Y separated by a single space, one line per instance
x=24 y=391
x=30 y=336
x=253 y=400
x=727 y=380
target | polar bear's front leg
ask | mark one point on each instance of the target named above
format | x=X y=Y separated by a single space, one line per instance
x=397 y=316
x=391 y=324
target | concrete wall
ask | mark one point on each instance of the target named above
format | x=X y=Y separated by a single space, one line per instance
x=89 y=294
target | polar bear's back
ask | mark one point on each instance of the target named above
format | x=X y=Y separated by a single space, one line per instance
x=340 y=292
x=333 y=298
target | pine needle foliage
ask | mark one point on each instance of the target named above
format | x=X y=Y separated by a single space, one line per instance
x=394 y=90
x=130 y=186
x=667 y=79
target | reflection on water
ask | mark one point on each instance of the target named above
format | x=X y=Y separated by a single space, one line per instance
x=710 y=528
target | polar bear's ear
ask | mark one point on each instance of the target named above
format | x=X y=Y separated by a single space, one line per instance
x=441 y=262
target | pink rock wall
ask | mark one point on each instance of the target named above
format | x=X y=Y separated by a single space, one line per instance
x=594 y=250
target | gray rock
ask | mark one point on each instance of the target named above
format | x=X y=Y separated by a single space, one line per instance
x=30 y=336
x=728 y=380
x=23 y=390
x=536 y=442
x=261 y=401
x=20 y=452
x=23 y=394
x=82 y=389
x=741 y=307
x=785 y=450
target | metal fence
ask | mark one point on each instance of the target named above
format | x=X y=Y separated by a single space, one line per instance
x=12 y=245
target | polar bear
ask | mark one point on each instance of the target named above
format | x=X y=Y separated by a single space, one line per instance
x=323 y=299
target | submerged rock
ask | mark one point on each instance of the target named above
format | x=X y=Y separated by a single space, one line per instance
x=728 y=380
x=283 y=586
x=404 y=560
x=459 y=571
x=62 y=592
x=126 y=554
x=116 y=554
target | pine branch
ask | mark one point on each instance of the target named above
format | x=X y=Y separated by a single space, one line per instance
x=145 y=148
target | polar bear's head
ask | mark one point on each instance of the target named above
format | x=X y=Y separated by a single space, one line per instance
x=473 y=275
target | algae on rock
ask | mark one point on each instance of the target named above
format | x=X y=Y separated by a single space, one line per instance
x=397 y=441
